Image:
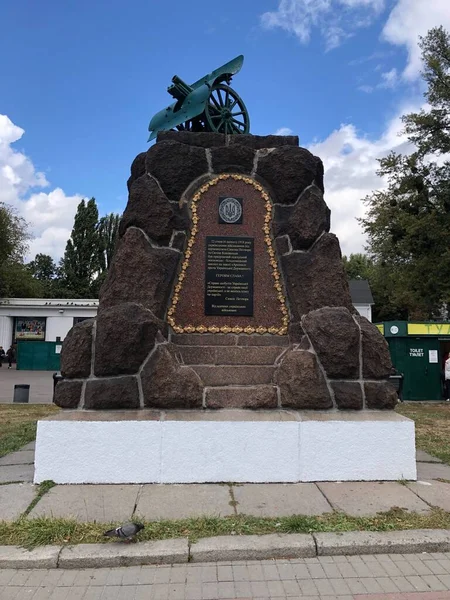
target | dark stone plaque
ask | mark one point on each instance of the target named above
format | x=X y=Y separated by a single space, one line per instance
x=229 y=276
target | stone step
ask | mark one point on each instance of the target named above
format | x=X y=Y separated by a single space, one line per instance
x=228 y=339
x=217 y=375
x=230 y=355
x=256 y=397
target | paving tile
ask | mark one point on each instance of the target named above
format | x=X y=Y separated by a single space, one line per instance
x=16 y=473
x=184 y=501
x=433 y=492
x=422 y=456
x=427 y=471
x=22 y=457
x=280 y=500
x=369 y=498
x=14 y=499
x=88 y=503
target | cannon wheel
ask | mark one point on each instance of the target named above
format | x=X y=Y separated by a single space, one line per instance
x=225 y=111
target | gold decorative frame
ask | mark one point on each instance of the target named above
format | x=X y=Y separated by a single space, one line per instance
x=273 y=263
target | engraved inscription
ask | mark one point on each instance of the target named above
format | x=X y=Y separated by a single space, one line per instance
x=229 y=276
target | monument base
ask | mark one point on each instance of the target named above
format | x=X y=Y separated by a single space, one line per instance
x=224 y=445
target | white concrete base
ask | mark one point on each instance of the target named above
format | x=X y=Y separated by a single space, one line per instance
x=228 y=445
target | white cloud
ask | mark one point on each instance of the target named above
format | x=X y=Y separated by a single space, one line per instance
x=50 y=214
x=408 y=20
x=389 y=79
x=336 y=19
x=284 y=131
x=350 y=161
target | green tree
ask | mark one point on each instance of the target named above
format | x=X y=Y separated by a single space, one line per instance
x=358 y=266
x=43 y=267
x=80 y=264
x=15 y=279
x=408 y=224
x=108 y=231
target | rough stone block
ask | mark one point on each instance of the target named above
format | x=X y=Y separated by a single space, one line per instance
x=288 y=170
x=316 y=279
x=253 y=547
x=219 y=375
x=138 y=166
x=336 y=339
x=283 y=245
x=149 y=209
x=125 y=336
x=301 y=382
x=140 y=273
x=236 y=158
x=112 y=393
x=202 y=139
x=380 y=395
x=166 y=384
x=348 y=395
x=259 y=142
x=76 y=350
x=89 y=556
x=165 y=159
x=304 y=221
x=179 y=241
x=376 y=357
x=68 y=394
x=253 y=397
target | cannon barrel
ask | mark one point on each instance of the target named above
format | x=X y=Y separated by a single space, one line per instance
x=179 y=88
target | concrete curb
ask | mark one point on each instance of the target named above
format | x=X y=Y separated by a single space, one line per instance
x=85 y=556
x=226 y=548
x=253 y=547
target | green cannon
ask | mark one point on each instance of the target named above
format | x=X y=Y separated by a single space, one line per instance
x=209 y=104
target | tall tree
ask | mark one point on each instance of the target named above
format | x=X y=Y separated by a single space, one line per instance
x=408 y=224
x=43 y=267
x=358 y=266
x=108 y=230
x=80 y=264
x=15 y=279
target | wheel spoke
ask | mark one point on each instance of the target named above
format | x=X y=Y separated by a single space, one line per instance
x=237 y=114
x=238 y=122
x=215 y=101
x=216 y=117
x=227 y=97
x=219 y=95
x=234 y=104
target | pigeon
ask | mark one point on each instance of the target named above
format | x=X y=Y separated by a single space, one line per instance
x=125 y=532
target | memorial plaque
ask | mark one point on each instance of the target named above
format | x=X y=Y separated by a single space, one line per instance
x=229 y=276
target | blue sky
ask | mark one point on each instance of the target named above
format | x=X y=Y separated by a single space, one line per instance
x=80 y=80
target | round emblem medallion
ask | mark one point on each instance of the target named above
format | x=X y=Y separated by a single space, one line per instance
x=230 y=210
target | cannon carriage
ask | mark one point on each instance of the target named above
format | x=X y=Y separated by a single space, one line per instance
x=209 y=104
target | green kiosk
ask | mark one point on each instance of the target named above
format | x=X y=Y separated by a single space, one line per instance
x=418 y=350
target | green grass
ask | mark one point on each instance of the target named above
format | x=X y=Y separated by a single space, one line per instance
x=30 y=533
x=432 y=427
x=18 y=424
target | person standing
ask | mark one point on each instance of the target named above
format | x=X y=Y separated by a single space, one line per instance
x=10 y=355
x=2 y=355
x=447 y=378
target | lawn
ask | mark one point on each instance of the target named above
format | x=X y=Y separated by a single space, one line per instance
x=432 y=426
x=18 y=424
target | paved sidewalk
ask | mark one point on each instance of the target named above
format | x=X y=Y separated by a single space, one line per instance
x=422 y=576
x=105 y=503
x=40 y=382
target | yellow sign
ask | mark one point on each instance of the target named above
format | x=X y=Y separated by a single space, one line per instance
x=380 y=328
x=428 y=328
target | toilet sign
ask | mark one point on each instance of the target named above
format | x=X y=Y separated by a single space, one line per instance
x=416 y=352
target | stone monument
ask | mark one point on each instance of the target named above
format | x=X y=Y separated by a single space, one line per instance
x=226 y=346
